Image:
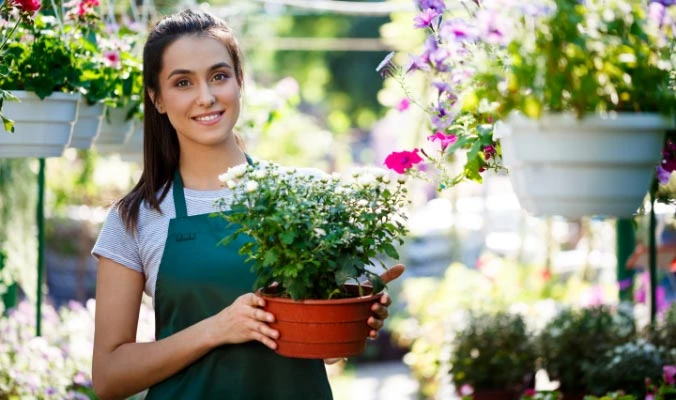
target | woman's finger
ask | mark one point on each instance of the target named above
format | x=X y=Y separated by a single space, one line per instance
x=392 y=273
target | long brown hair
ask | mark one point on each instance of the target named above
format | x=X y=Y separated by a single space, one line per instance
x=161 y=149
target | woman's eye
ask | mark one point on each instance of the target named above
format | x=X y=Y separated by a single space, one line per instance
x=220 y=76
x=182 y=83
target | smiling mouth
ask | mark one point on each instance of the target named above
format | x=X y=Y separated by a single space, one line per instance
x=208 y=117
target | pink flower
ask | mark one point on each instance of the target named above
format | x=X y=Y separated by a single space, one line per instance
x=669 y=372
x=402 y=160
x=425 y=18
x=446 y=140
x=403 y=105
x=489 y=151
x=529 y=392
x=466 y=390
x=112 y=58
x=29 y=6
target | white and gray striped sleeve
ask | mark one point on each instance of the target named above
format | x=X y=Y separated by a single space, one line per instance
x=116 y=243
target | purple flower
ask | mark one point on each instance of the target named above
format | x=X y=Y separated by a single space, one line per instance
x=494 y=27
x=442 y=87
x=425 y=18
x=663 y=175
x=457 y=30
x=436 y=5
x=442 y=117
x=665 y=3
x=386 y=67
x=625 y=284
x=436 y=55
x=421 y=63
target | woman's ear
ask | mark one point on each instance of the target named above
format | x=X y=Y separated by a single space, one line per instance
x=157 y=102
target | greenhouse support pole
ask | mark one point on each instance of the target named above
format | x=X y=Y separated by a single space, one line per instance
x=626 y=242
x=41 y=245
x=9 y=298
x=652 y=246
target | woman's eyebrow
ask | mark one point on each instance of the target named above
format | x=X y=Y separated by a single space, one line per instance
x=188 y=72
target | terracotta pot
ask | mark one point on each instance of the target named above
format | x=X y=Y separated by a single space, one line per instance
x=321 y=328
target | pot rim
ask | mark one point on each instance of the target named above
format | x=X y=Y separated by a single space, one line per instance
x=360 y=299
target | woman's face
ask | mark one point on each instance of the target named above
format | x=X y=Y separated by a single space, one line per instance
x=199 y=91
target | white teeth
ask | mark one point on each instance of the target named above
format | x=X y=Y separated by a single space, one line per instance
x=208 y=117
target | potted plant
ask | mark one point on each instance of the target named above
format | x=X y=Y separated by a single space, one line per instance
x=83 y=26
x=123 y=105
x=558 y=88
x=625 y=367
x=576 y=337
x=493 y=354
x=40 y=70
x=310 y=235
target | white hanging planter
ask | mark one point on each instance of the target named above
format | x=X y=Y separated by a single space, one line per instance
x=600 y=165
x=132 y=151
x=115 y=131
x=87 y=126
x=42 y=128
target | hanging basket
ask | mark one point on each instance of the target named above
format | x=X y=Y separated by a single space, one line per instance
x=115 y=131
x=42 y=128
x=321 y=328
x=132 y=151
x=87 y=126
x=600 y=165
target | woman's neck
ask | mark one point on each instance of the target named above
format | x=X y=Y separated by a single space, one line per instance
x=200 y=165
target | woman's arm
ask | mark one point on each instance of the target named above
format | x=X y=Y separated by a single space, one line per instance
x=122 y=367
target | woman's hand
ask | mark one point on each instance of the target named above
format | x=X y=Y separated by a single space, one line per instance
x=243 y=321
x=380 y=309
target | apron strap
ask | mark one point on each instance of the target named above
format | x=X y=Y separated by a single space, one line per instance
x=179 y=198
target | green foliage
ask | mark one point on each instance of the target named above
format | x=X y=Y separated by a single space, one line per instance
x=42 y=65
x=494 y=351
x=592 y=56
x=576 y=337
x=311 y=234
x=625 y=367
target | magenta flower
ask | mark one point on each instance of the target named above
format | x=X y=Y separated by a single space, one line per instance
x=445 y=140
x=29 y=6
x=669 y=372
x=403 y=105
x=489 y=151
x=402 y=161
x=112 y=58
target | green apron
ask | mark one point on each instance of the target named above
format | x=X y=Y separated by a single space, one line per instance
x=198 y=278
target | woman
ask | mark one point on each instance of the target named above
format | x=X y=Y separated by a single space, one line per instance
x=213 y=338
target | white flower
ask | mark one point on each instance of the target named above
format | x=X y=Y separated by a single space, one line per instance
x=401 y=179
x=501 y=130
x=251 y=186
x=231 y=184
x=363 y=203
x=366 y=179
x=239 y=170
x=335 y=176
x=259 y=174
x=320 y=232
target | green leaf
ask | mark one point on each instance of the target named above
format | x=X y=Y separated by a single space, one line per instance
x=390 y=250
x=288 y=237
x=376 y=282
